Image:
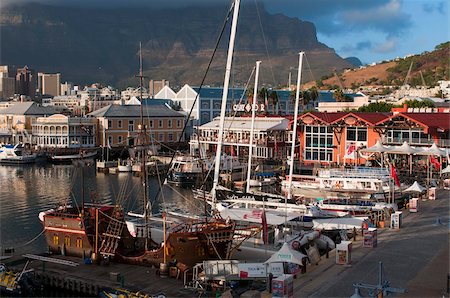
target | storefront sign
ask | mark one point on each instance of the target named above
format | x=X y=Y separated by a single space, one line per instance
x=249 y=270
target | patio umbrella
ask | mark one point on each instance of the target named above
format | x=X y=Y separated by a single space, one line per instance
x=377 y=148
x=287 y=254
x=404 y=149
x=432 y=150
x=446 y=170
x=416 y=187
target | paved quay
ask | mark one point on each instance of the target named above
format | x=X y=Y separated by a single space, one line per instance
x=414 y=257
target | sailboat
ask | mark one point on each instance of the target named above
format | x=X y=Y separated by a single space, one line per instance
x=103 y=231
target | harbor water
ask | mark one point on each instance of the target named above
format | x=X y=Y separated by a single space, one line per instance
x=26 y=190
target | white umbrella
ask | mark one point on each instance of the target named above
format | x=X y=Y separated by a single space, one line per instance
x=287 y=254
x=432 y=150
x=377 y=148
x=416 y=187
x=403 y=149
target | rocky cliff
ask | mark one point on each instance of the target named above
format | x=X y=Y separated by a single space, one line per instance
x=92 y=44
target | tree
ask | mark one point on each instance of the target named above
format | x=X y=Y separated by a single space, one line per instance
x=381 y=107
x=305 y=99
x=313 y=93
x=274 y=98
x=250 y=92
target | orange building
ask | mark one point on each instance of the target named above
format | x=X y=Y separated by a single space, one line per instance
x=338 y=137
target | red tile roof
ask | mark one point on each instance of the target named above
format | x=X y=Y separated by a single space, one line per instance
x=430 y=120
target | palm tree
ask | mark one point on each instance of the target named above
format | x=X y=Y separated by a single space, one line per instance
x=274 y=97
x=263 y=94
x=313 y=93
x=305 y=98
x=338 y=95
x=250 y=92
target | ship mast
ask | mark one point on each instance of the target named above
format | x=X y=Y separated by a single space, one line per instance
x=252 y=126
x=294 y=131
x=225 y=97
x=141 y=148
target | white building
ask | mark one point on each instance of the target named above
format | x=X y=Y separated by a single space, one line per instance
x=59 y=131
x=359 y=99
x=268 y=141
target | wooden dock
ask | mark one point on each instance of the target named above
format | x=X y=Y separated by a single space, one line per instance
x=90 y=279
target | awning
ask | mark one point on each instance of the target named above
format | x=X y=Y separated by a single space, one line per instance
x=274 y=218
x=338 y=223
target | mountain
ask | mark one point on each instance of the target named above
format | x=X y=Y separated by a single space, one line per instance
x=354 y=61
x=91 y=44
x=431 y=66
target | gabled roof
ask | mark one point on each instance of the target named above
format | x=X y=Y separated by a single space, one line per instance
x=428 y=120
x=134 y=111
x=28 y=108
x=165 y=92
x=370 y=118
x=324 y=117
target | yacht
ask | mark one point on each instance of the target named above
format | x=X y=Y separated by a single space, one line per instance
x=10 y=154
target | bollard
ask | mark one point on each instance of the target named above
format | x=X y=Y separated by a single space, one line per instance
x=303 y=265
x=354 y=233
x=327 y=250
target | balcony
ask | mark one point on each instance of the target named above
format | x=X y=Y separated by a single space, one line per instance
x=415 y=142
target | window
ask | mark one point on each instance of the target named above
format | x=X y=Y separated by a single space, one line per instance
x=119 y=140
x=170 y=137
x=110 y=140
x=169 y=123
x=161 y=137
x=55 y=239
x=109 y=124
x=130 y=125
x=318 y=143
x=178 y=123
x=357 y=137
x=67 y=241
x=151 y=123
x=79 y=242
x=160 y=123
x=119 y=123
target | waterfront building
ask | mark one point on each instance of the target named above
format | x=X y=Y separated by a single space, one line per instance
x=128 y=93
x=26 y=82
x=49 y=83
x=336 y=138
x=71 y=103
x=269 y=137
x=16 y=121
x=359 y=99
x=60 y=131
x=94 y=97
x=118 y=124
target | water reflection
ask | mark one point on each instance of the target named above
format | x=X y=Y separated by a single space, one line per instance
x=27 y=190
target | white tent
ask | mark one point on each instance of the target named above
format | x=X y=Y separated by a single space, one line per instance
x=446 y=170
x=403 y=149
x=344 y=223
x=287 y=254
x=416 y=187
x=377 y=148
x=433 y=150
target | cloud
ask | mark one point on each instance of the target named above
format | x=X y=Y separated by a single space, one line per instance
x=439 y=7
x=358 y=47
x=388 y=46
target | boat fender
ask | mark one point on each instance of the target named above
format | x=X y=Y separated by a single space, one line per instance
x=295 y=245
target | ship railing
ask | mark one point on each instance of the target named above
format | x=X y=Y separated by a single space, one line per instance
x=356 y=173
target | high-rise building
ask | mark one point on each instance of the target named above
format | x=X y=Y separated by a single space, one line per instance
x=7 y=83
x=49 y=83
x=26 y=82
x=66 y=88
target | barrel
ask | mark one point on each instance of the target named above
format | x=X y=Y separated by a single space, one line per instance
x=163 y=270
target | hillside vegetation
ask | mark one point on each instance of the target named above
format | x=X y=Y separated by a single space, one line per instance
x=432 y=66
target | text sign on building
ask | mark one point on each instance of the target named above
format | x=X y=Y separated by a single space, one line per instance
x=248 y=107
x=247 y=270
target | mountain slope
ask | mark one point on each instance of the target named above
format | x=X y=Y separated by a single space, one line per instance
x=432 y=66
x=101 y=45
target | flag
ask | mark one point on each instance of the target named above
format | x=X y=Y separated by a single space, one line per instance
x=394 y=175
x=232 y=150
x=350 y=153
x=435 y=162
x=265 y=228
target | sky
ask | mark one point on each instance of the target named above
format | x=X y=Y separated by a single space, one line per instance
x=372 y=30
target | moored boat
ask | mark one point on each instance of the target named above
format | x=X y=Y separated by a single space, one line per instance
x=10 y=154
